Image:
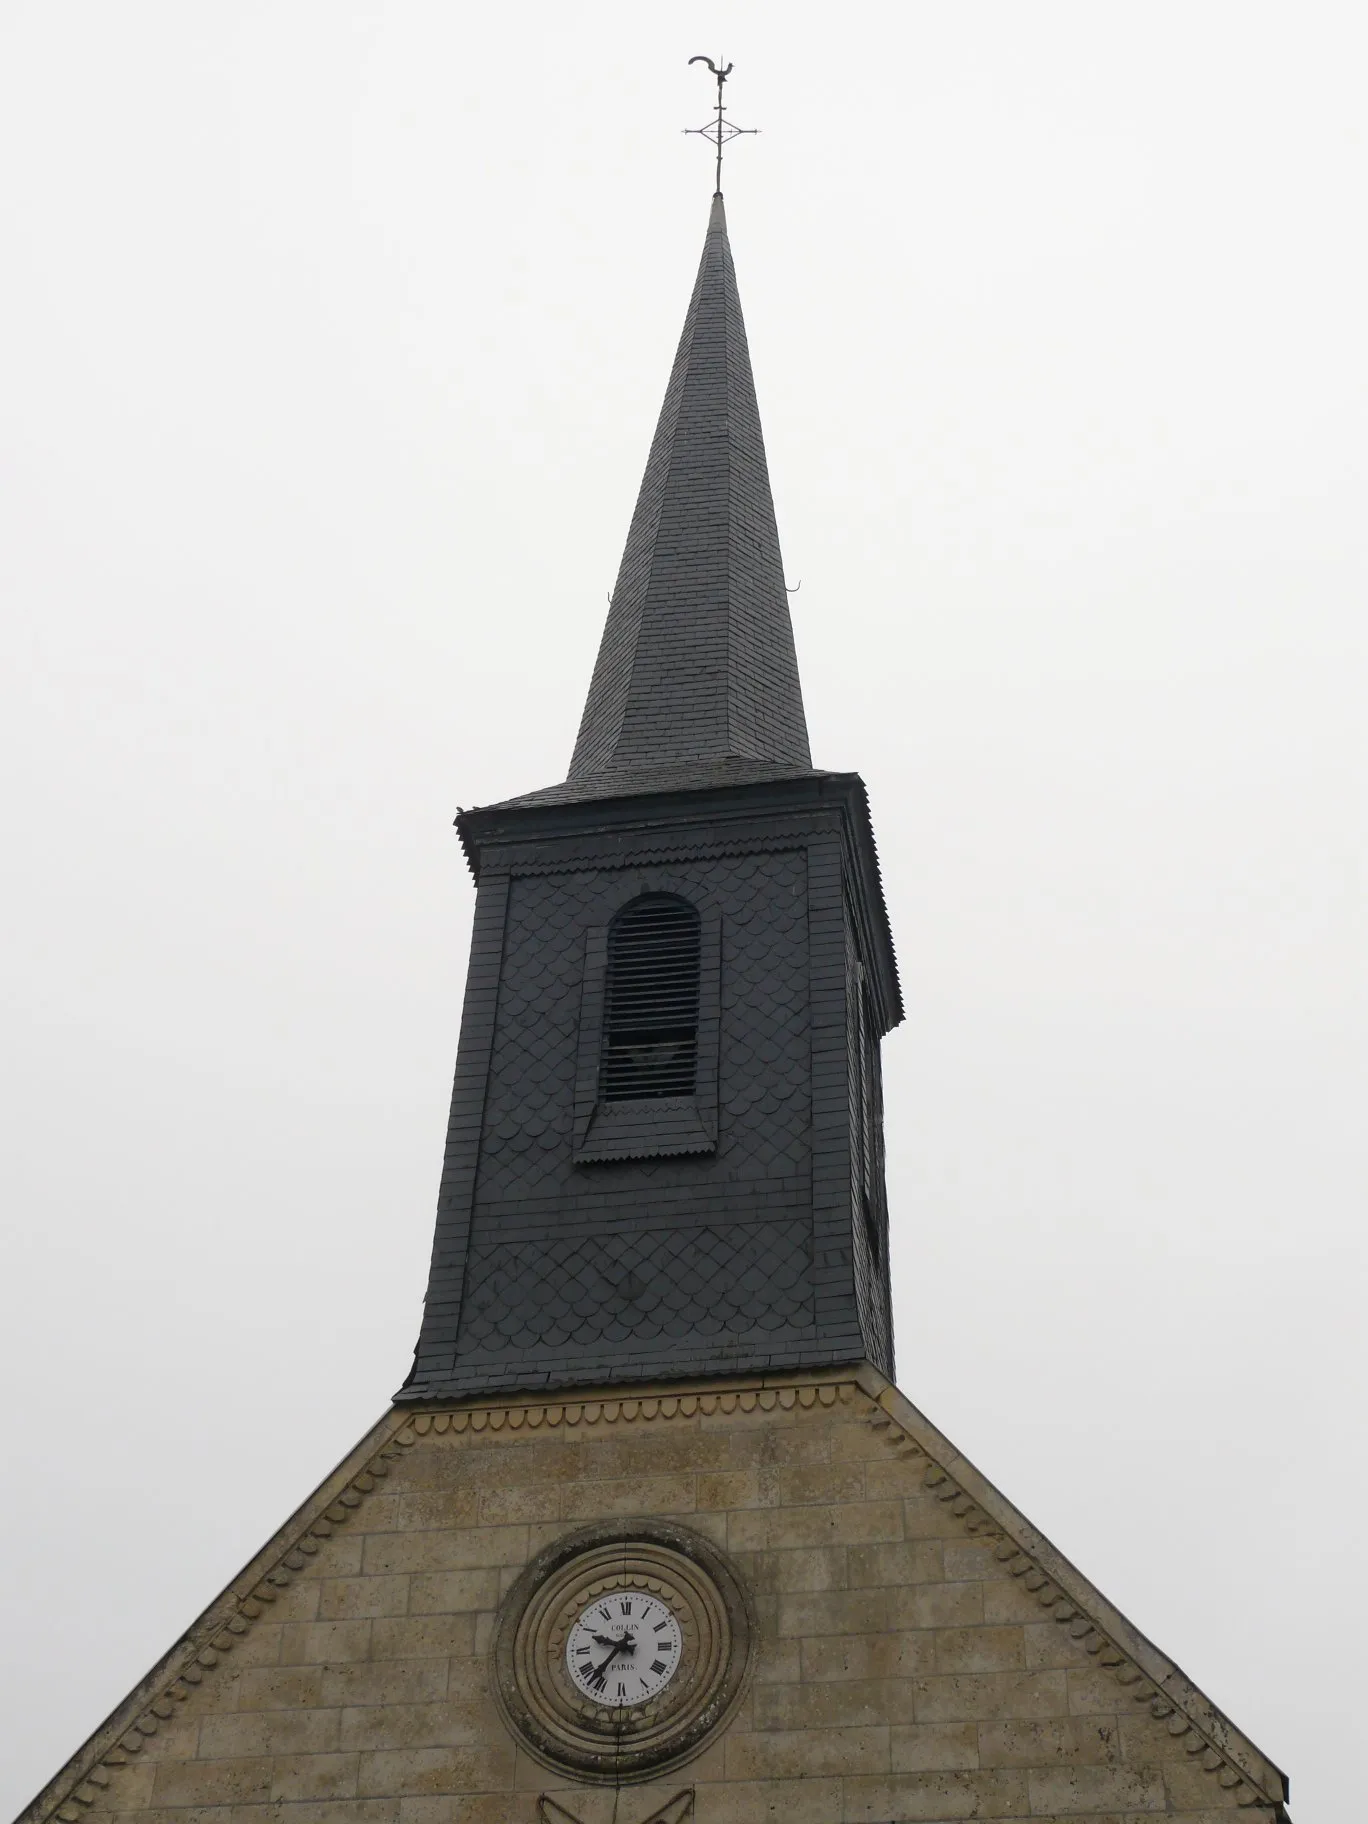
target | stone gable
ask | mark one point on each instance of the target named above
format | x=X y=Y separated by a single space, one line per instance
x=922 y=1653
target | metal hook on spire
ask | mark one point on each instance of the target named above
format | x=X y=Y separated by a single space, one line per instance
x=721 y=129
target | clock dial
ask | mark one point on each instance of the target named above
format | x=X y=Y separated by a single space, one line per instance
x=624 y=1649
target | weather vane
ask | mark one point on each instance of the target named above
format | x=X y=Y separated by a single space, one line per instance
x=719 y=131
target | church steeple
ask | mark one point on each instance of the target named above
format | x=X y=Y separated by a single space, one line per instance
x=697 y=661
x=665 y=1156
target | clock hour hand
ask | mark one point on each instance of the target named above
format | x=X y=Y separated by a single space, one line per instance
x=600 y=1673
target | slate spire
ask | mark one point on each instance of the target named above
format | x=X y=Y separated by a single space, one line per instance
x=696 y=676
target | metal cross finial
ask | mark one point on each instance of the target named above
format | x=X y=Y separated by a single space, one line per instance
x=721 y=129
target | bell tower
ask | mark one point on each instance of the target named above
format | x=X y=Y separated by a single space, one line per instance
x=665 y=1156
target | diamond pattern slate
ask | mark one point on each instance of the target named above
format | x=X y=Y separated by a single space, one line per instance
x=699 y=1283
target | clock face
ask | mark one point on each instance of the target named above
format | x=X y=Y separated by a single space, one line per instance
x=624 y=1649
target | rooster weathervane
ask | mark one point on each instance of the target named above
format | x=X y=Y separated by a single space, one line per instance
x=719 y=130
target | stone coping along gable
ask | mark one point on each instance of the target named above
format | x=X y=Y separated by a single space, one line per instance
x=924 y=1653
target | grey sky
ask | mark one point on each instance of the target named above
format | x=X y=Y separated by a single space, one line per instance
x=331 y=341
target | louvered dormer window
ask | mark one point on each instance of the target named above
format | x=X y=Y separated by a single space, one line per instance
x=651 y=1001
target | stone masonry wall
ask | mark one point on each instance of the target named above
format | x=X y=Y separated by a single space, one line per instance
x=913 y=1661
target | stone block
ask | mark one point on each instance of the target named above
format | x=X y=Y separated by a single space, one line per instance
x=990 y=1695
x=971 y=1559
x=858 y=1523
x=314 y=1776
x=834 y=1704
x=311 y=1642
x=262 y=1732
x=376 y=1514
x=631 y=1495
x=728 y=1488
x=354 y=1598
x=310 y=1811
x=943 y=1605
x=808 y=1484
x=422 y=1636
x=979 y=1650
x=540 y=1534
x=806 y=1753
x=1093 y=1691
x=777 y=1662
x=298 y=1601
x=1059 y=1741
x=838 y=1612
x=712 y=1526
x=468 y=1679
x=279 y=1687
x=472 y=1808
x=854 y=1441
x=401 y=1772
x=509 y=1506
x=896 y=1565
x=812 y=1441
x=446 y=1549
x=935 y=1797
x=807 y=1801
x=428 y=1508
x=934 y=1747
x=893 y=1654
x=436 y=1725
x=340 y=1556
x=811 y=1568
x=551 y=1458
x=1067 y=1791
x=238 y=1782
x=385 y=1681
x=654 y=1451
x=450 y=1592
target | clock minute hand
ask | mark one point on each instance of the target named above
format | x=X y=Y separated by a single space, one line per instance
x=616 y=1646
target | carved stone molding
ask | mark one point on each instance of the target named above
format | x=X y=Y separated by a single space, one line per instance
x=568 y=1731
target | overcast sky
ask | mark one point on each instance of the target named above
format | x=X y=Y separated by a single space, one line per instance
x=332 y=337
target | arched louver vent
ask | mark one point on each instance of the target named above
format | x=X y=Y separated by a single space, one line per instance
x=650 y=1027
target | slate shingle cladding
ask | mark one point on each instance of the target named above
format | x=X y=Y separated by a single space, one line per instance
x=751 y=1233
x=697 y=658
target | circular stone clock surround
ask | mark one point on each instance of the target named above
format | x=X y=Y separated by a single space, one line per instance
x=558 y=1722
